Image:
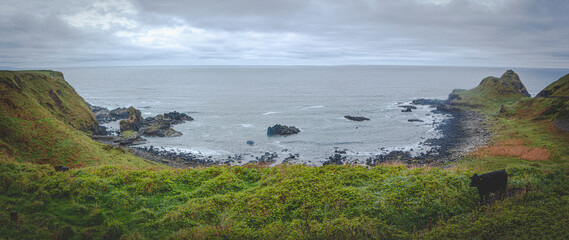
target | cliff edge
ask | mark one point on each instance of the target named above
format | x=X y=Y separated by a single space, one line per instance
x=44 y=121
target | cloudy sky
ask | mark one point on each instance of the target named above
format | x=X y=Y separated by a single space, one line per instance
x=505 y=33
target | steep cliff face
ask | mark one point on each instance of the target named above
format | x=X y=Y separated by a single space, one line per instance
x=44 y=121
x=32 y=95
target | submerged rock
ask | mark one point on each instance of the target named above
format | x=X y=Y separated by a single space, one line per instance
x=282 y=130
x=356 y=118
x=406 y=110
x=408 y=106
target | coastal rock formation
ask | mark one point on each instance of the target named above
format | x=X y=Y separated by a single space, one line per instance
x=393 y=156
x=105 y=115
x=356 y=118
x=177 y=117
x=282 y=130
x=161 y=129
x=129 y=138
x=508 y=85
x=134 y=121
x=172 y=118
x=406 y=110
x=337 y=159
x=408 y=106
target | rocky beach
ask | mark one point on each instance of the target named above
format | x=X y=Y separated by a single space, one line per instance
x=462 y=131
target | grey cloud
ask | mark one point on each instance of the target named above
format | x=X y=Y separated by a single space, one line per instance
x=463 y=32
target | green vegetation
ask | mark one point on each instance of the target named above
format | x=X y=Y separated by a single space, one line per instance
x=110 y=194
x=44 y=121
x=490 y=94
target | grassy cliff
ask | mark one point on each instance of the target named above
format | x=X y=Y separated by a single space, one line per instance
x=44 y=121
x=491 y=93
x=287 y=202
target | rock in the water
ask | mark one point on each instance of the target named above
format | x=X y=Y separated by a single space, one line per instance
x=282 y=130
x=105 y=115
x=120 y=113
x=356 y=118
x=406 y=110
x=408 y=106
x=134 y=121
x=176 y=116
x=162 y=129
x=172 y=118
x=415 y=120
x=250 y=143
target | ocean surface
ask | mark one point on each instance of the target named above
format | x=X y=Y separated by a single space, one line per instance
x=235 y=104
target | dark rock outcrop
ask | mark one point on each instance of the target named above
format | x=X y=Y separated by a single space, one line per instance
x=393 y=156
x=172 y=118
x=406 y=110
x=105 y=115
x=337 y=159
x=428 y=102
x=282 y=130
x=134 y=121
x=415 y=120
x=178 y=117
x=161 y=129
x=356 y=118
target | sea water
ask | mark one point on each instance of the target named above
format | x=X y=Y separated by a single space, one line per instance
x=232 y=105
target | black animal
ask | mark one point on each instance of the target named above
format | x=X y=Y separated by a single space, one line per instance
x=489 y=182
x=61 y=169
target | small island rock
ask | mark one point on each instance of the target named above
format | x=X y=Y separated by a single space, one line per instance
x=356 y=118
x=282 y=130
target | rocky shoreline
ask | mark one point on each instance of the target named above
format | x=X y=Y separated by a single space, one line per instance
x=461 y=133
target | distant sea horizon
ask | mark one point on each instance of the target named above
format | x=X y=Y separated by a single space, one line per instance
x=235 y=104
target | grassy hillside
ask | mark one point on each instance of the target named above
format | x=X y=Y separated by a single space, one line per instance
x=44 y=121
x=123 y=201
x=491 y=93
x=527 y=138
x=559 y=88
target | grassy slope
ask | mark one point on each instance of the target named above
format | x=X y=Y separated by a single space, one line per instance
x=44 y=121
x=528 y=144
x=300 y=202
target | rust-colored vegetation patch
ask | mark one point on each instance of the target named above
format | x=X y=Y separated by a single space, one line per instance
x=515 y=148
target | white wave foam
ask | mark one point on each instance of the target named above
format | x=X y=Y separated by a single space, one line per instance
x=269 y=113
x=246 y=125
x=203 y=151
x=314 y=107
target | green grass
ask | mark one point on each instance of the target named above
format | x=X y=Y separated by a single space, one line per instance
x=252 y=202
x=110 y=194
x=44 y=121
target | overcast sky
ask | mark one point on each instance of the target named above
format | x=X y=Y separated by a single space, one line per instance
x=502 y=33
